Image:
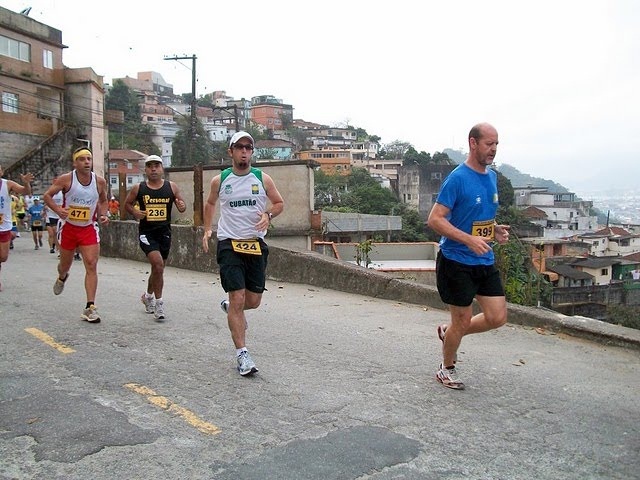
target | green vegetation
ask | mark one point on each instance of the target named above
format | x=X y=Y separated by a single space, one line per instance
x=363 y=249
x=132 y=134
x=624 y=315
x=358 y=192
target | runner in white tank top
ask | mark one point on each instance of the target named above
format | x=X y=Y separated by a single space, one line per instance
x=83 y=210
x=244 y=193
x=6 y=224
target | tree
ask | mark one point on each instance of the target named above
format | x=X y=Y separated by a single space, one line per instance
x=412 y=157
x=266 y=154
x=442 y=159
x=395 y=150
x=186 y=151
x=370 y=198
x=121 y=97
x=522 y=283
x=132 y=134
x=413 y=226
x=505 y=190
x=328 y=189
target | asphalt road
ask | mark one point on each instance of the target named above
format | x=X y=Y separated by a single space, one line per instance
x=346 y=388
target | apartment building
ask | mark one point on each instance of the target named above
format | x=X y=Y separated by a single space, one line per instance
x=611 y=242
x=31 y=76
x=126 y=163
x=559 y=214
x=270 y=113
x=47 y=109
x=418 y=185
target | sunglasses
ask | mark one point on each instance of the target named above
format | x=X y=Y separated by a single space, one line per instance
x=240 y=146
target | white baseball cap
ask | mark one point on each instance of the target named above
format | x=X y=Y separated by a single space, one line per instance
x=152 y=159
x=237 y=136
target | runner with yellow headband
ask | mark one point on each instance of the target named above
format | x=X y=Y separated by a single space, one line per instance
x=84 y=208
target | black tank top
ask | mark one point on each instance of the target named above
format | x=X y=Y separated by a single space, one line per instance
x=158 y=204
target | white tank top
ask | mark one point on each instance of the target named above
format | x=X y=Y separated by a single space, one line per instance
x=242 y=200
x=5 y=207
x=81 y=201
x=58 y=198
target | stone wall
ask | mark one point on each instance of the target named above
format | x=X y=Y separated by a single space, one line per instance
x=120 y=240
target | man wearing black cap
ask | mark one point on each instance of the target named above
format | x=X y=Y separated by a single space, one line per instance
x=155 y=198
x=249 y=200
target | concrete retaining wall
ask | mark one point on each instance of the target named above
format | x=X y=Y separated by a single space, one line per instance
x=120 y=239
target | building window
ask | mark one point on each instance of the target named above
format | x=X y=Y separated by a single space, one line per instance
x=47 y=59
x=129 y=180
x=436 y=175
x=114 y=181
x=9 y=102
x=15 y=49
x=604 y=271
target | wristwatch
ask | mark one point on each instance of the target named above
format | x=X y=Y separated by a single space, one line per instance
x=270 y=215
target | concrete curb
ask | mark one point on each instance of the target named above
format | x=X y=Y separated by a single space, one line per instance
x=312 y=268
x=316 y=269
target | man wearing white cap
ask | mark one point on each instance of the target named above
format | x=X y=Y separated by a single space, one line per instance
x=249 y=200
x=155 y=198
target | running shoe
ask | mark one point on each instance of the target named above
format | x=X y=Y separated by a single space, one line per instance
x=449 y=378
x=91 y=314
x=52 y=250
x=37 y=247
x=224 y=305
x=58 y=287
x=245 y=364
x=40 y=241
x=442 y=329
x=77 y=256
x=158 y=311
x=149 y=303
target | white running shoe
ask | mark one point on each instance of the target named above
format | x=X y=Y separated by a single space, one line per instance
x=91 y=314
x=149 y=303
x=159 y=310
x=449 y=378
x=246 y=366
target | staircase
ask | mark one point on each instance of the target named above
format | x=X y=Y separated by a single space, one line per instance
x=46 y=161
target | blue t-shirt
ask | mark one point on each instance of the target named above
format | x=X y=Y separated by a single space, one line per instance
x=472 y=199
x=36 y=214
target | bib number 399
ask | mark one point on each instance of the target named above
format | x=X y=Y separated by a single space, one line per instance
x=483 y=229
x=250 y=247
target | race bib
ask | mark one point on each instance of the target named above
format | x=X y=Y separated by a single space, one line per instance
x=483 y=229
x=37 y=223
x=156 y=213
x=250 y=247
x=79 y=214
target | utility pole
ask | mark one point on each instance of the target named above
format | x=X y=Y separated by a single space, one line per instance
x=192 y=123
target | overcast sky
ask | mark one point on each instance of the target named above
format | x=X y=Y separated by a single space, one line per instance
x=559 y=79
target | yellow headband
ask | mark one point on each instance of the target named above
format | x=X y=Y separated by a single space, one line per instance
x=82 y=153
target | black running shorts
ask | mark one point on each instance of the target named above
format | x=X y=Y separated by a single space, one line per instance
x=156 y=240
x=239 y=271
x=458 y=284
